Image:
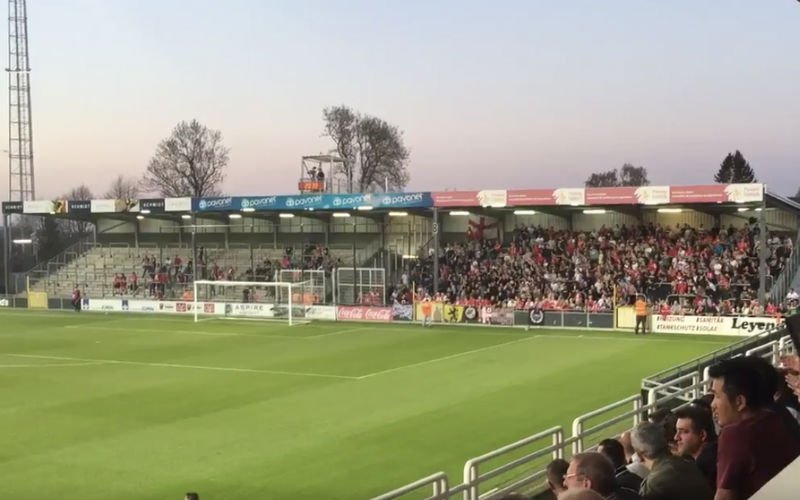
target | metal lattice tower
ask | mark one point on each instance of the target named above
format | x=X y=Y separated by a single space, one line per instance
x=20 y=125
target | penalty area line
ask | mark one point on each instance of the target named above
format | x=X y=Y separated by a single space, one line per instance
x=188 y=367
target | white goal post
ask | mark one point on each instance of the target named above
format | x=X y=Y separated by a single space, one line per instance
x=251 y=300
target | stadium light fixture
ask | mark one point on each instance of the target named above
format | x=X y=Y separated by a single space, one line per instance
x=758 y=209
x=595 y=211
x=235 y=216
x=459 y=213
x=140 y=217
x=742 y=209
x=365 y=208
x=670 y=210
x=186 y=216
x=341 y=214
x=145 y=211
x=524 y=212
x=398 y=214
x=22 y=241
x=248 y=209
x=286 y=216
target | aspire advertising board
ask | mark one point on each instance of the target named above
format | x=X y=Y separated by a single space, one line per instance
x=715 y=325
x=363 y=313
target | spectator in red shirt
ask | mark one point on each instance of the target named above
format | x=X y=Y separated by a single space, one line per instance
x=756 y=441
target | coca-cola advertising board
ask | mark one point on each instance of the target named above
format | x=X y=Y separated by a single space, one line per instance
x=362 y=313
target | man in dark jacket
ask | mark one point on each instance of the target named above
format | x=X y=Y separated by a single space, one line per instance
x=614 y=451
x=671 y=477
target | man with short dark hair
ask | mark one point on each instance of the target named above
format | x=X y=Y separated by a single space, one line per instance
x=594 y=471
x=556 y=470
x=755 y=443
x=671 y=477
x=696 y=438
x=614 y=451
x=191 y=496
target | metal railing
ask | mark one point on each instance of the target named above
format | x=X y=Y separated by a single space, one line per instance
x=784 y=281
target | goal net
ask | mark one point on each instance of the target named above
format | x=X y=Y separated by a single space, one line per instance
x=252 y=300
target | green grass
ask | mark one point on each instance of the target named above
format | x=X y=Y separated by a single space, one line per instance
x=146 y=407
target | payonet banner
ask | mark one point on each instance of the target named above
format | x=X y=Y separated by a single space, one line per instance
x=362 y=313
x=715 y=325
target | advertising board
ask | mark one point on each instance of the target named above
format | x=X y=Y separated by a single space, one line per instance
x=714 y=325
x=363 y=313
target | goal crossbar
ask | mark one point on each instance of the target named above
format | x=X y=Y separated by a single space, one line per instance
x=290 y=287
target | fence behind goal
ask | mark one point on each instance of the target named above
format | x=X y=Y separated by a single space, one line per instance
x=252 y=299
x=317 y=283
x=362 y=285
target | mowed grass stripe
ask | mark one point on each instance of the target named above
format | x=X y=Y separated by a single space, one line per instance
x=156 y=433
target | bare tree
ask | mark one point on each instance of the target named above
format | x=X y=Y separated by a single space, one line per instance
x=628 y=175
x=341 y=124
x=603 y=179
x=382 y=156
x=191 y=162
x=633 y=176
x=123 y=189
x=373 y=152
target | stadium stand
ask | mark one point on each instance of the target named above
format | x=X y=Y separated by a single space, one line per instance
x=698 y=271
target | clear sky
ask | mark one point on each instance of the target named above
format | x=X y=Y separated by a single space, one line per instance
x=490 y=94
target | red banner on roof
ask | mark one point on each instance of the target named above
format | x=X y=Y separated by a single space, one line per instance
x=545 y=197
x=487 y=198
x=531 y=197
x=644 y=195
x=717 y=193
x=455 y=199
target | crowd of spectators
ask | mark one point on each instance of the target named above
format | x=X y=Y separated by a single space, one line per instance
x=724 y=446
x=711 y=271
x=164 y=279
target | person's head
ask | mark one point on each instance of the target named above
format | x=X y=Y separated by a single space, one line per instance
x=591 y=470
x=556 y=470
x=694 y=429
x=614 y=451
x=741 y=386
x=666 y=419
x=191 y=496
x=649 y=442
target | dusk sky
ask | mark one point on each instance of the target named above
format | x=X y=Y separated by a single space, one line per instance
x=490 y=94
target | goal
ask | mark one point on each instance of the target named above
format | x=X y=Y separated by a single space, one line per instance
x=252 y=300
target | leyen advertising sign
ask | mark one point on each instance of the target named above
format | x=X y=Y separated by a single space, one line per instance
x=715 y=325
x=313 y=201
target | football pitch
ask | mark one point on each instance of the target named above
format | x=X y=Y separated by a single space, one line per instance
x=99 y=406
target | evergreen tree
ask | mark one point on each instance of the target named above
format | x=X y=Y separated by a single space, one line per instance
x=735 y=169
